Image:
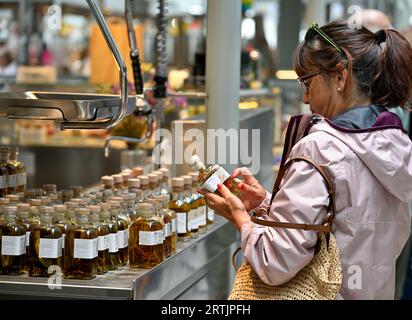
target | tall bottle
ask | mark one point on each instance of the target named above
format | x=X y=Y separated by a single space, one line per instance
x=103 y=259
x=169 y=219
x=80 y=254
x=12 y=243
x=178 y=205
x=23 y=218
x=60 y=220
x=146 y=238
x=45 y=246
x=122 y=234
x=105 y=219
x=213 y=175
x=21 y=175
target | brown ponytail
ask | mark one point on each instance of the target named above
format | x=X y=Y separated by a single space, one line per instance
x=380 y=62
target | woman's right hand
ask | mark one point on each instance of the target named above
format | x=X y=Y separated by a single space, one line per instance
x=251 y=191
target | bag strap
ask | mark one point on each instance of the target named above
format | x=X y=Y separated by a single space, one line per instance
x=327 y=227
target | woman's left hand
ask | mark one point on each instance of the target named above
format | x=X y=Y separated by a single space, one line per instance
x=227 y=205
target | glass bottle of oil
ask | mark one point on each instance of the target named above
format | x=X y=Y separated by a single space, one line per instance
x=167 y=220
x=146 y=238
x=23 y=218
x=178 y=205
x=192 y=216
x=173 y=222
x=105 y=219
x=21 y=178
x=103 y=240
x=210 y=177
x=13 y=244
x=202 y=212
x=80 y=255
x=45 y=245
x=60 y=220
x=122 y=234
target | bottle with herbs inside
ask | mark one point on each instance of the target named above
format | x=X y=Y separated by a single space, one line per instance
x=80 y=254
x=122 y=234
x=173 y=222
x=105 y=219
x=21 y=175
x=102 y=241
x=178 y=205
x=23 y=218
x=60 y=220
x=12 y=243
x=157 y=202
x=146 y=238
x=45 y=245
x=213 y=175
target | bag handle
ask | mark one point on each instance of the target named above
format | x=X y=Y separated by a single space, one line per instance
x=327 y=227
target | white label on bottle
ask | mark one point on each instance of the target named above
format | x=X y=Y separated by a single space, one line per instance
x=150 y=238
x=13 y=245
x=12 y=180
x=27 y=238
x=50 y=248
x=122 y=241
x=220 y=176
x=168 y=229
x=103 y=243
x=113 y=242
x=3 y=183
x=181 y=222
x=203 y=218
x=210 y=214
x=173 y=225
x=21 y=179
x=85 y=248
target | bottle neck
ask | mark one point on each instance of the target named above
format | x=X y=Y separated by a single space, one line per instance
x=177 y=194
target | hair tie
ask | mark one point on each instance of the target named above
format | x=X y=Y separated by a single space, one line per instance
x=380 y=36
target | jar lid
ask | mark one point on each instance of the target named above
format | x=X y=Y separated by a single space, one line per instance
x=13 y=197
x=117 y=178
x=60 y=207
x=4 y=201
x=188 y=180
x=134 y=183
x=159 y=174
x=82 y=211
x=126 y=176
x=138 y=171
x=107 y=181
x=165 y=172
x=144 y=180
x=46 y=209
x=153 y=178
x=178 y=182
x=35 y=202
x=23 y=207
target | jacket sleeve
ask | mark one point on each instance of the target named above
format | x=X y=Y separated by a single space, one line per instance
x=276 y=254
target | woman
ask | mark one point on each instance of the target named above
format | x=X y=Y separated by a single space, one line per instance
x=350 y=77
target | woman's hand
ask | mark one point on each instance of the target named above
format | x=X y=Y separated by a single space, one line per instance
x=251 y=192
x=227 y=205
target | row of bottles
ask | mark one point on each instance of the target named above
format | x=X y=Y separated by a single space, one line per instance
x=13 y=176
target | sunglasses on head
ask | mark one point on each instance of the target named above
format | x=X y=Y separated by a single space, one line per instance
x=315 y=30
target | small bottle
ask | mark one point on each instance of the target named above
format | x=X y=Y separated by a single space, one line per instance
x=45 y=246
x=107 y=183
x=200 y=199
x=77 y=191
x=193 y=205
x=167 y=220
x=13 y=244
x=173 y=221
x=21 y=175
x=210 y=177
x=60 y=220
x=122 y=234
x=103 y=240
x=105 y=219
x=178 y=205
x=146 y=238
x=23 y=218
x=80 y=255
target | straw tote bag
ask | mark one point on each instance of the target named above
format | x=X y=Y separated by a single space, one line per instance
x=321 y=279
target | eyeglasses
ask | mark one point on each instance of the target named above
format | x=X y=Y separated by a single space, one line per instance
x=314 y=30
x=303 y=80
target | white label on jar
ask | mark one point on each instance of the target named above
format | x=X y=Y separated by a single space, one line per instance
x=21 y=179
x=113 y=242
x=150 y=238
x=13 y=245
x=210 y=214
x=122 y=241
x=181 y=222
x=85 y=248
x=50 y=248
x=103 y=243
x=168 y=229
x=173 y=225
x=12 y=180
x=27 y=238
x=220 y=176
x=3 y=183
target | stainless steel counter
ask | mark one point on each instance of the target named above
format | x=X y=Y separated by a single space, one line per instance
x=200 y=269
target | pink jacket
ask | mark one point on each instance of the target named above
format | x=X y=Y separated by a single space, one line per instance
x=372 y=174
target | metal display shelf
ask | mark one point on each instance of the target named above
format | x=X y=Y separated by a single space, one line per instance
x=198 y=270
